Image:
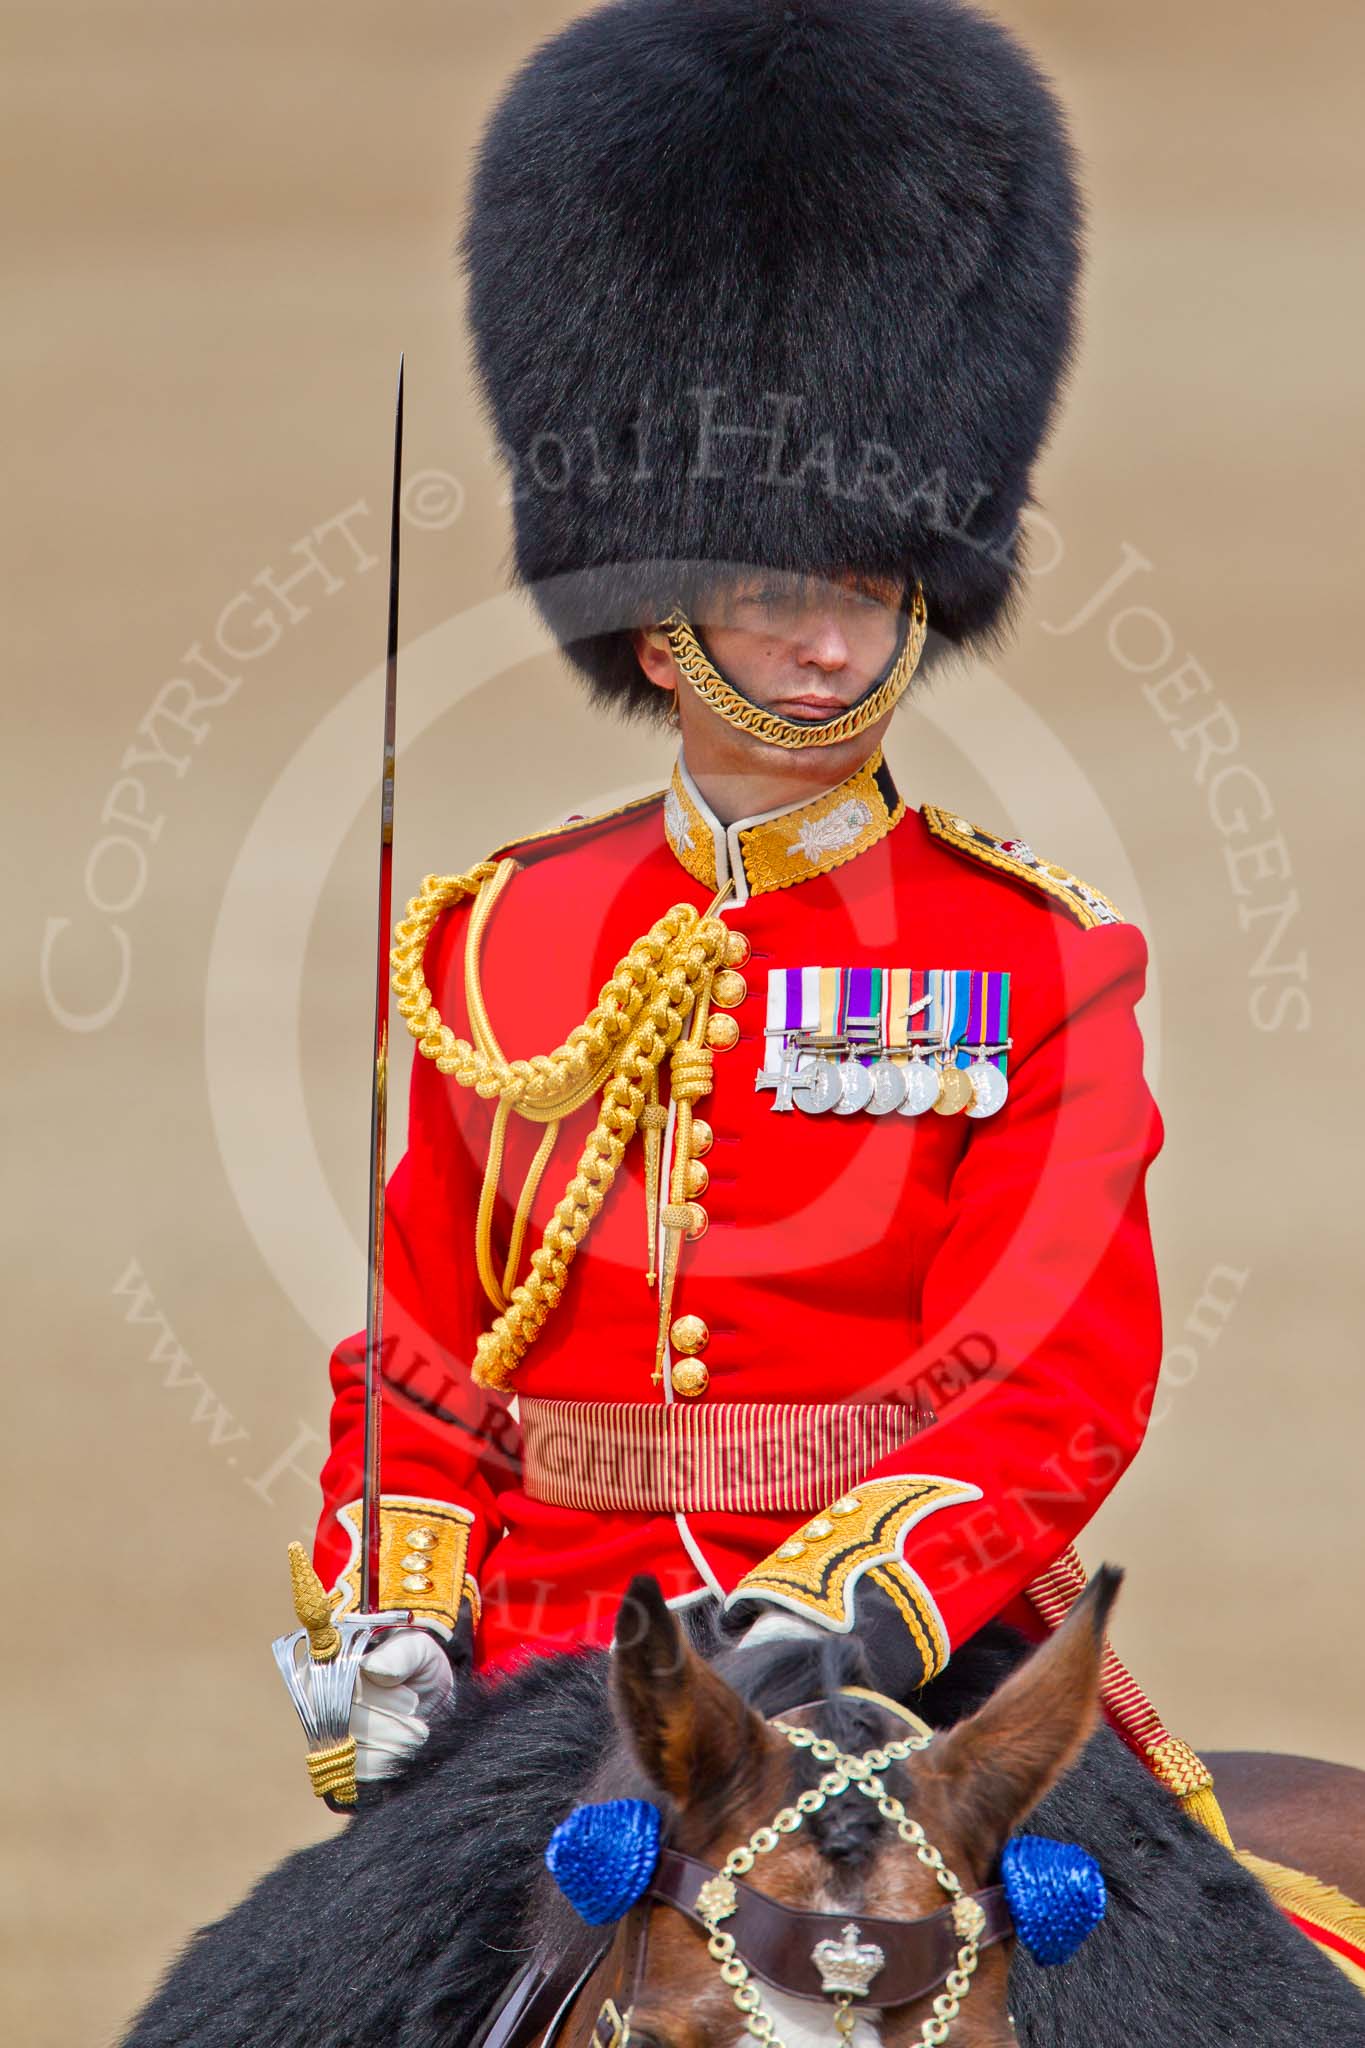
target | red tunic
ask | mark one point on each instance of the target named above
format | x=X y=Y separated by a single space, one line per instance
x=1002 y=1266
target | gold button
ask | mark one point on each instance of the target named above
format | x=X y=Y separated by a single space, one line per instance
x=415 y=1582
x=796 y=1548
x=699 y=1224
x=415 y=1562
x=698 y=1179
x=689 y=1377
x=420 y=1539
x=688 y=1333
x=849 y=1505
x=821 y=1526
x=703 y=1137
x=729 y=989
x=737 y=949
x=721 y=1033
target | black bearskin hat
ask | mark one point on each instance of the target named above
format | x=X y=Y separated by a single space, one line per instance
x=786 y=283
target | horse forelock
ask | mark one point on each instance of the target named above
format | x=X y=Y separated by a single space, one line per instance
x=772 y=1678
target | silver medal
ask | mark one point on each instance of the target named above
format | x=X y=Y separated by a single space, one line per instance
x=921 y=1088
x=855 y=1088
x=784 y=1080
x=888 y=1087
x=817 y=1087
x=989 y=1087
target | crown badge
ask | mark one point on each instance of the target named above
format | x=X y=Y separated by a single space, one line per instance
x=847 y=1965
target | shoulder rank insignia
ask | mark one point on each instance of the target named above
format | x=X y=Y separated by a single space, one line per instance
x=1015 y=857
x=579 y=822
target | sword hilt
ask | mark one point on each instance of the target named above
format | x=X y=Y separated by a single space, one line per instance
x=319 y=1662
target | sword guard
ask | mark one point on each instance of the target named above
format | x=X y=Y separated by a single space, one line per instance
x=319 y=1662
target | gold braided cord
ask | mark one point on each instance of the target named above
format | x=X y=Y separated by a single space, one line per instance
x=637 y=1020
x=488 y=1194
x=529 y=1189
x=549 y=1085
x=726 y=701
x=498 y=1289
x=682 y=978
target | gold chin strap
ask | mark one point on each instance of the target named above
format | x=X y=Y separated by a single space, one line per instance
x=727 y=703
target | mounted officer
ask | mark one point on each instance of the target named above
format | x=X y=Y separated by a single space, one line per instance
x=773 y=1217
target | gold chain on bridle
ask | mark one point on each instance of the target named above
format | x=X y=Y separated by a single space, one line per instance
x=722 y=697
x=716 y=1899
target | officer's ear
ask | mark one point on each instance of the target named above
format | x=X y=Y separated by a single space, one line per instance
x=698 y=1740
x=655 y=657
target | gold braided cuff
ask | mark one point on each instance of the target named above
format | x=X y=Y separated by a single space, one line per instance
x=333 y=1770
x=815 y=1573
x=423 y=1545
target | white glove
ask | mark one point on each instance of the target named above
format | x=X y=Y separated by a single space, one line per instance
x=400 y=1685
x=778 y=1624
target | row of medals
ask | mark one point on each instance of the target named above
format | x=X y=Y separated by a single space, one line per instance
x=909 y=1085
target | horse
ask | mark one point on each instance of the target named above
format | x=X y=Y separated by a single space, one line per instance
x=411 y=1927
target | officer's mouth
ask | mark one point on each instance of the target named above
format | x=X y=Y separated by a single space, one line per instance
x=811 y=707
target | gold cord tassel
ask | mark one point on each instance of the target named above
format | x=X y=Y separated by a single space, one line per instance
x=1187 y=1775
x=690 y=1077
x=653 y=1119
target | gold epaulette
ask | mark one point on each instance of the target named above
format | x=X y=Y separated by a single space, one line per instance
x=1014 y=857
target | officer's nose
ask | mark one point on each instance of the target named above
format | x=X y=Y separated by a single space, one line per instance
x=824 y=645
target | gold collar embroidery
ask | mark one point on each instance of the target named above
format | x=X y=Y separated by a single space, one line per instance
x=780 y=848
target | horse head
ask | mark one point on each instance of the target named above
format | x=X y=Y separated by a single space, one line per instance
x=824 y=1875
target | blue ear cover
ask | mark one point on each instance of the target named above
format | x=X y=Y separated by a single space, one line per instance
x=602 y=1857
x=1056 y=1894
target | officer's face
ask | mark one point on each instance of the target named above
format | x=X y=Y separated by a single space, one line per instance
x=804 y=648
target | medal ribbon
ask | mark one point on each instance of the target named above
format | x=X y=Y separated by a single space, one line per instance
x=968 y=1007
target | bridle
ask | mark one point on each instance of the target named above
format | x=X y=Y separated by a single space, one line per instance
x=814 y=1956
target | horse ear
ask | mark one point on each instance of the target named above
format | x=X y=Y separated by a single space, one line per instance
x=695 y=1737
x=997 y=1765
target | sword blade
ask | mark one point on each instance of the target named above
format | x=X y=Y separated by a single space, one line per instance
x=379 y=1080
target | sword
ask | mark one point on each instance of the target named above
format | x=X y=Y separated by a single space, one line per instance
x=379 y=1080
x=320 y=1660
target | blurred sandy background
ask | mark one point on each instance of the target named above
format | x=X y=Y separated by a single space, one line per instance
x=223 y=224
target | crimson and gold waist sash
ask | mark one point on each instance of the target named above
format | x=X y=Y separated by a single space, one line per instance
x=758 y=1457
